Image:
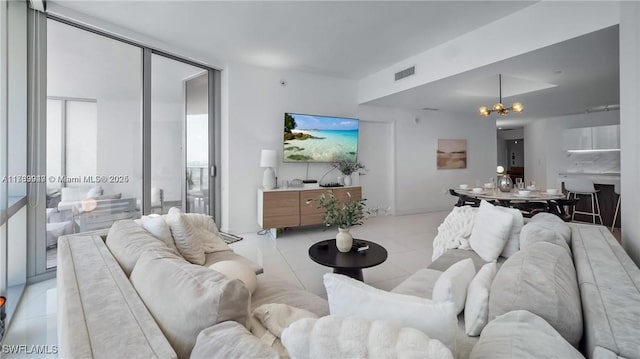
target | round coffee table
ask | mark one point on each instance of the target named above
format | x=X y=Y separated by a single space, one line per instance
x=350 y=263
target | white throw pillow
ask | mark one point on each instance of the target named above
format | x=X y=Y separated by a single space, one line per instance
x=156 y=225
x=94 y=192
x=237 y=270
x=513 y=243
x=208 y=232
x=349 y=297
x=490 y=231
x=476 y=309
x=185 y=237
x=453 y=283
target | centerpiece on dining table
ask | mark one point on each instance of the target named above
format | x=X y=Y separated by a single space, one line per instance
x=344 y=215
x=505 y=184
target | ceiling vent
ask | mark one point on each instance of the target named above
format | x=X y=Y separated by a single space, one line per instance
x=430 y=109
x=405 y=73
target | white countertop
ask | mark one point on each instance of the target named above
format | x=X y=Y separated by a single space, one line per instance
x=307 y=186
x=597 y=178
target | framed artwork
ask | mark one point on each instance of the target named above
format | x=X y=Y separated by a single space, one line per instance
x=452 y=154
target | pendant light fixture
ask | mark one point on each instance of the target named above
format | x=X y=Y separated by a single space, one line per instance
x=499 y=107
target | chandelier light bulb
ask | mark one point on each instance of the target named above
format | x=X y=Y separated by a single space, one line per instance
x=498 y=107
x=517 y=107
x=484 y=111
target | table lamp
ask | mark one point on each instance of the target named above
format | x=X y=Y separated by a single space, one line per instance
x=269 y=160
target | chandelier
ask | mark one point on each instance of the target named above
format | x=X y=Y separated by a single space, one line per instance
x=499 y=107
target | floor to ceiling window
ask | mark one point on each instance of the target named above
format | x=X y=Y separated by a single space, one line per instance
x=94 y=128
x=179 y=136
x=127 y=133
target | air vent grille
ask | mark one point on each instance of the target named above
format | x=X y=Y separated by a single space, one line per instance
x=405 y=73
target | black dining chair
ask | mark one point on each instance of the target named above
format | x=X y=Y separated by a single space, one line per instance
x=464 y=200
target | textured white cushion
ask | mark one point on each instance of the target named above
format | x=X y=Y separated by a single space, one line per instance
x=452 y=284
x=156 y=225
x=353 y=337
x=513 y=243
x=476 y=309
x=185 y=237
x=522 y=334
x=207 y=232
x=490 y=231
x=541 y=279
x=184 y=298
x=94 y=192
x=349 y=297
x=535 y=232
x=554 y=223
x=237 y=270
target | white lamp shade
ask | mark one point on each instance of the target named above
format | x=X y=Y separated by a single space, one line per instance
x=269 y=158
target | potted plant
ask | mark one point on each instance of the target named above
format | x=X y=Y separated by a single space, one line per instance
x=343 y=215
x=348 y=168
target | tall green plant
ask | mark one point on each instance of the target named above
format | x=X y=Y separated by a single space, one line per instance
x=344 y=215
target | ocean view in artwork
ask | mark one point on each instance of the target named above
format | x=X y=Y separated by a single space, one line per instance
x=309 y=138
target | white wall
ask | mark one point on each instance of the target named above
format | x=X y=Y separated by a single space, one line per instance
x=399 y=152
x=629 y=127
x=252 y=119
x=418 y=185
x=502 y=153
x=544 y=157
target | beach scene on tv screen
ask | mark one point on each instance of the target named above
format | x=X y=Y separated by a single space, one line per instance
x=310 y=138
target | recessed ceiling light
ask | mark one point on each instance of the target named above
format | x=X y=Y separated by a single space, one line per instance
x=499 y=128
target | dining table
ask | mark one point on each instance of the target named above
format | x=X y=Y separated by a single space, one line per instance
x=506 y=198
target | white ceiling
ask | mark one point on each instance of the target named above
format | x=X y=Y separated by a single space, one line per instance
x=341 y=38
x=566 y=78
x=357 y=38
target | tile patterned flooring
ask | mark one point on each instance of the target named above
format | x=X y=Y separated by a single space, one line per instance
x=408 y=240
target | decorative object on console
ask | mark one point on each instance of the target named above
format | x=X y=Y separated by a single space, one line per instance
x=344 y=215
x=451 y=154
x=499 y=107
x=296 y=183
x=269 y=160
x=348 y=168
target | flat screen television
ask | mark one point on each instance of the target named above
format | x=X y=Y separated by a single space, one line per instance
x=314 y=138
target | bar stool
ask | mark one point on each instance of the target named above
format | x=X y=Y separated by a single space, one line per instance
x=616 y=189
x=582 y=186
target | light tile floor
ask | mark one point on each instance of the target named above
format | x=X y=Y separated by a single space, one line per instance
x=408 y=240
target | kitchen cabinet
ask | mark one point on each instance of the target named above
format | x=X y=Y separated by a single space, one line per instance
x=577 y=139
x=591 y=138
x=605 y=137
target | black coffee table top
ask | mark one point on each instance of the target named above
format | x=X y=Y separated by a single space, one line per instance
x=330 y=256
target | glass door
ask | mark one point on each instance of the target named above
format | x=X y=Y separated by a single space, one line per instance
x=93 y=133
x=180 y=151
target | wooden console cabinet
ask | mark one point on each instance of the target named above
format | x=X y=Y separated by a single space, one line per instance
x=281 y=208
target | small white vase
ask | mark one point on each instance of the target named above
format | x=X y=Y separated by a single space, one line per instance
x=344 y=240
x=347 y=180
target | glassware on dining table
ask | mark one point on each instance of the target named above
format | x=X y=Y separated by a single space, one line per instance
x=519 y=183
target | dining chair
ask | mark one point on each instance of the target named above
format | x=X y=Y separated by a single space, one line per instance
x=616 y=189
x=584 y=187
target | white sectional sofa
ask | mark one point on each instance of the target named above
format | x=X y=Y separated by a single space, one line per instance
x=133 y=297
